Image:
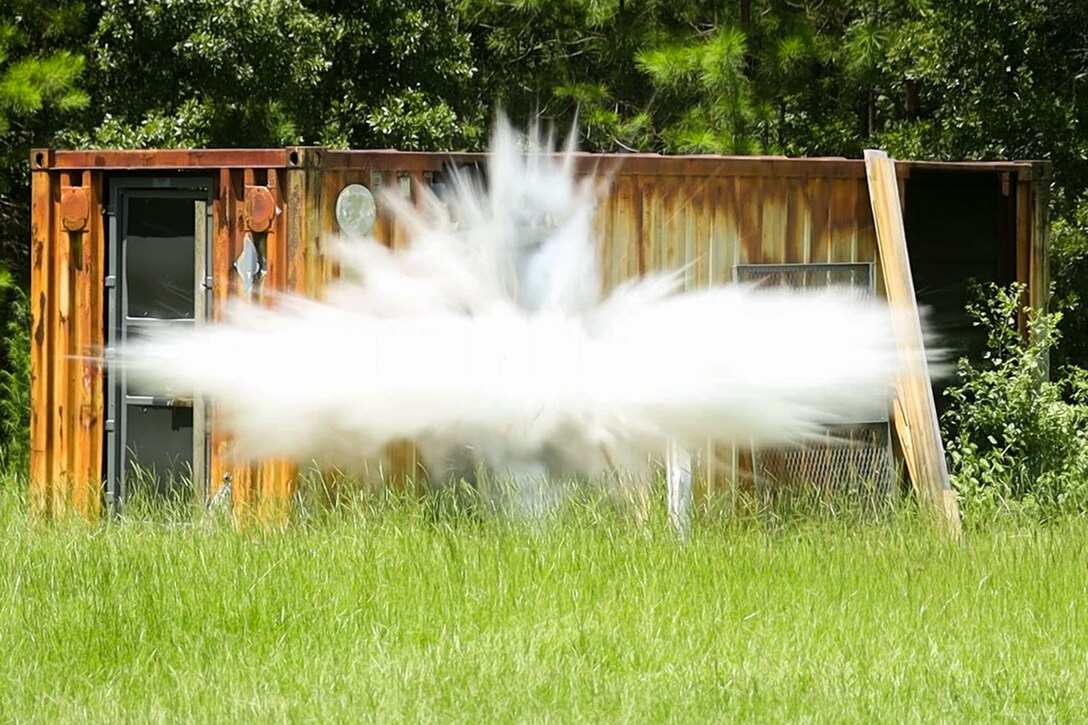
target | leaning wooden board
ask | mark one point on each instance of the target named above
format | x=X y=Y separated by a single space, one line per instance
x=915 y=409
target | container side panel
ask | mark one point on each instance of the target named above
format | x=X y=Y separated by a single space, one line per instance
x=798 y=221
x=774 y=201
x=843 y=220
x=223 y=211
x=868 y=249
x=41 y=342
x=820 y=208
x=90 y=328
x=331 y=185
x=60 y=355
x=297 y=218
x=604 y=229
x=276 y=479
x=622 y=261
x=749 y=210
x=728 y=250
x=700 y=234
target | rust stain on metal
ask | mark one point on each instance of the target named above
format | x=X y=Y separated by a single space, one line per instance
x=74 y=209
x=259 y=209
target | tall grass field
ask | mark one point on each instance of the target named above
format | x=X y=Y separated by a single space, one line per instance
x=394 y=613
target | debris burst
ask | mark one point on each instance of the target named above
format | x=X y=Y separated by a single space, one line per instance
x=488 y=342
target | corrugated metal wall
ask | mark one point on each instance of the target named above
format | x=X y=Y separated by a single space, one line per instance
x=705 y=224
x=261 y=486
x=708 y=224
x=700 y=214
x=66 y=418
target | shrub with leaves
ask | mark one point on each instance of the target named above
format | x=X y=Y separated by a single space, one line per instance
x=1017 y=440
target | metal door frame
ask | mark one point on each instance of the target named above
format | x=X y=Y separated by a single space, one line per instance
x=200 y=190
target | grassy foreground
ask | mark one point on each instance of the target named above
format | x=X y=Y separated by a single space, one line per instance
x=393 y=615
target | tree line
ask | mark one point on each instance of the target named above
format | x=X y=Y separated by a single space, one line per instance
x=940 y=79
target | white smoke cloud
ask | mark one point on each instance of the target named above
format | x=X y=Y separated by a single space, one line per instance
x=489 y=333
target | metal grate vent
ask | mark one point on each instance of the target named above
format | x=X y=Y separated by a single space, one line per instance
x=851 y=459
x=858 y=275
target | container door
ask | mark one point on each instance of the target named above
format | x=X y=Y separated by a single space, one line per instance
x=159 y=278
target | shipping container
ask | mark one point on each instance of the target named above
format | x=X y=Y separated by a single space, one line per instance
x=124 y=242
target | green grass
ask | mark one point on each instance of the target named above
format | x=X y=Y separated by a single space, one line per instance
x=393 y=614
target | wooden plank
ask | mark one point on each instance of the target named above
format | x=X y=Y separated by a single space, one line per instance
x=41 y=311
x=915 y=409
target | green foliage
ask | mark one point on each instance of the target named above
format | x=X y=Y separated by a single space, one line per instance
x=1069 y=269
x=198 y=73
x=1014 y=441
x=41 y=91
x=278 y=72
x=32 y=81
x=997 y=80
x=708 y=78
x=14 y=377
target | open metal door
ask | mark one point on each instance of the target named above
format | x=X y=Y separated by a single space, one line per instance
x=158 y=277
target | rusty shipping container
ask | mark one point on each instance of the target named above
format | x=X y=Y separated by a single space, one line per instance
x=125 y=241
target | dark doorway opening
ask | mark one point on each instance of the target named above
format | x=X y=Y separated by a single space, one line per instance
x=961 y=227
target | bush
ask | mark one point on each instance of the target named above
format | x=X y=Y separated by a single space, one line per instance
x=14 y=377
x=1016 y=439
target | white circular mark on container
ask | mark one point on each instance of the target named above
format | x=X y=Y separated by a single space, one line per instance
x=355 y=210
